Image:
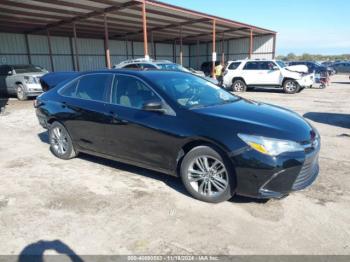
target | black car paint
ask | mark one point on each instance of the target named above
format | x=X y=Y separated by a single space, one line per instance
x=159 y=141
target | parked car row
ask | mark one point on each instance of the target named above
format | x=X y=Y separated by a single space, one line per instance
x=26 y=81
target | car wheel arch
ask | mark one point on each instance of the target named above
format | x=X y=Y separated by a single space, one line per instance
x=189 y=145
x=286 y=79
x=238 y=78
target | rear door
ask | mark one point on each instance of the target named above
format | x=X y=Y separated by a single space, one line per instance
x=251 y=73
x=83 y=103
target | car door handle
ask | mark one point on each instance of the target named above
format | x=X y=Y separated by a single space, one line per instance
x=116 y=119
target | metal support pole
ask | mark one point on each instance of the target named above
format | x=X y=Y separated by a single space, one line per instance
x=76 y=47
x=274 y=47
x=28 y=49
x=144 y=22
x=50 y=49
x=107 y=53
x=214 y=46
x=152 y=44
x=197 y=55
x=251 y=44
x=127 y=49
x=132 y=49
x=72 y=53
x=222 y=49
x=181 y=53
x=228 y=50
x=174 y=51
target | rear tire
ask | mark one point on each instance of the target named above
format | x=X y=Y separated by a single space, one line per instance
x=207 y=175
x=290 y=86
x=21 y=95
x=239 y=86
x=61 y=144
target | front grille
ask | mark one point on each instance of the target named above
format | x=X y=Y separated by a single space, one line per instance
x=308 y=173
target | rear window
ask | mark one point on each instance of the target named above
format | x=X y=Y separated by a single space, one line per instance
x=94 y=87
x=234 y=65
x=89 y=87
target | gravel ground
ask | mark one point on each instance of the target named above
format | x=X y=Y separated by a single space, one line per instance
x=96 y=206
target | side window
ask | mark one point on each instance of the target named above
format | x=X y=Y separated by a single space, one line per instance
x=234 y=65
x=131 y=66
x=131 y=92
x=70 y=89
x=94 y=86
x=251 y=66
x=147 y=66
x=268 y=65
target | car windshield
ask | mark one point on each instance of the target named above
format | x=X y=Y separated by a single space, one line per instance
x=173 y=67
x=281 y=64
x=20 y=69
x=191 y=91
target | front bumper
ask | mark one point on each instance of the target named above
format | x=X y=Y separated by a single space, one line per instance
x=307 y=80
x=33 y=89
x=262 y=176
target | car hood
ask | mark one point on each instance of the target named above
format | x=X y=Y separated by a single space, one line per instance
x=33 y=74
x=250 y=117
x=298 y=68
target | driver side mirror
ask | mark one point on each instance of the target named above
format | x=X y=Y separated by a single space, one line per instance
x=275 y=68
x=10 y=73
x=154 y=106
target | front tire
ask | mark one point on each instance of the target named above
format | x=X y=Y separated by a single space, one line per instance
x=290 y=86
x=239 y=86
x=206 y=175
x=61 y=144
x=21 y=94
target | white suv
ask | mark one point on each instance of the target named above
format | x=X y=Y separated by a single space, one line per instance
x=244 y=73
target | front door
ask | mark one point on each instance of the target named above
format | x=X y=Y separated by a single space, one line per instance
x=137 y=135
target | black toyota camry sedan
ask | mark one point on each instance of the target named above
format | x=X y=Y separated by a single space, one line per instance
x=182 y=125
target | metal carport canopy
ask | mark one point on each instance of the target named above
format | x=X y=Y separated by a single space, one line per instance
x=121 y=19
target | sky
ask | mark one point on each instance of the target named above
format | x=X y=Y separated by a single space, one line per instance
x=303 y=26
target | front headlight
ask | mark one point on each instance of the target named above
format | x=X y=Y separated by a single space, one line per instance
x=270 y=146
x=29 y=80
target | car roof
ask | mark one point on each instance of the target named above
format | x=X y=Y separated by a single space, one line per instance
x=135 y=72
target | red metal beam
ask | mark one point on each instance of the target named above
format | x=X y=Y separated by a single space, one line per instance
x=214 y=47
x=181 y=53
x=274 y=47
x=144 y=23
x=251 y=43
x=107 y=54
x=50 y=50
x=76 y=47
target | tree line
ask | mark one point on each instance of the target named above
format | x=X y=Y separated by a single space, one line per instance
x=311 y=57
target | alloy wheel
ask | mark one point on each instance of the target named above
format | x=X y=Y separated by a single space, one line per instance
x=20 y=93
x=59 y=141
x=238 y=86
x=291 y=86
x=208 y=176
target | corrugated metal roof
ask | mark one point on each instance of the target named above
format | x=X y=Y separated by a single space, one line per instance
x=124 y=20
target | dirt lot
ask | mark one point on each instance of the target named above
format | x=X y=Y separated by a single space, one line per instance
x=95 y=206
